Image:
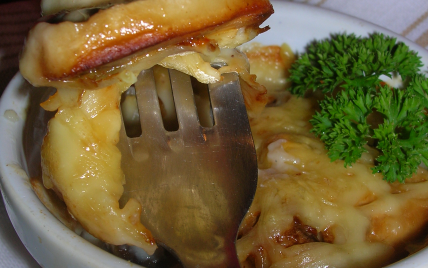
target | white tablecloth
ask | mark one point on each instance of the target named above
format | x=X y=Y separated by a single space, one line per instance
x=406 y=17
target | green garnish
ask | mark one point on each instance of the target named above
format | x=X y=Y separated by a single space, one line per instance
x=359 y=109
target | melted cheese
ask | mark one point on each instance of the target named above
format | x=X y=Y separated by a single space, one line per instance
x=81 y=162
x=270 y=64
x=311 y=212
x=135 y=36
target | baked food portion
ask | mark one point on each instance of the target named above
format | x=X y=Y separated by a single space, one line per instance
x=81 y=163
x=135 y=36
x=311 y=212
x=91 y=63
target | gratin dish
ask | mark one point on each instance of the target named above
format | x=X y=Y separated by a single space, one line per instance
x=50 y=242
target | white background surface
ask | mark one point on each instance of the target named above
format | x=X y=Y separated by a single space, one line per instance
x=406 y=17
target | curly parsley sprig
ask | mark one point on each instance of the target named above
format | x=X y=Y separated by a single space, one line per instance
x=347 y=69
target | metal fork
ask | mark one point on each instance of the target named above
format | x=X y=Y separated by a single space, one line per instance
x=195 y=184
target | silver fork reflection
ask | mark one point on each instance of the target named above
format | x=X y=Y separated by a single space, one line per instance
x=194 y=184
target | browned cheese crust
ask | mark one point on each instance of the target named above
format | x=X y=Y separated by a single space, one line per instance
x=126 y=34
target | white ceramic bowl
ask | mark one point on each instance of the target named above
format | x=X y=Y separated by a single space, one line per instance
x=49 y=241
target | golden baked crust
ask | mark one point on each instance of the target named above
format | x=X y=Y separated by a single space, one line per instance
x=137 y=34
